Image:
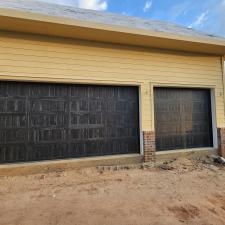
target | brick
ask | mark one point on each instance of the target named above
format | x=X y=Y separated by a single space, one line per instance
x=221 y=141
x=149 y=146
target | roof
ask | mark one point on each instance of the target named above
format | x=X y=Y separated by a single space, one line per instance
x=29 y=10
x=101 y=17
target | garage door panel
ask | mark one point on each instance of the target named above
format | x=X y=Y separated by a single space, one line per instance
x=48 y=120
x=196 y=140
x=95 y=105
x=182 y=118
x=12 y=135
x=48 y=91
x=77 y=149
x=13 y=152
x=13 y=122
x=11 y=89
x=8 y=121
x=12 y=105
x=46 y=151
x=170 y=142
x=53 y=121
x=46 y=105
x=47 y=135
x=93 y=148
x=79 y=92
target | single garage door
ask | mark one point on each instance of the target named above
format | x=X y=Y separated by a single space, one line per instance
x=52 y=121
x=182 y=118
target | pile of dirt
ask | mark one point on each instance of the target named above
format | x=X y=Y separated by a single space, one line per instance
x=183 y=164
x=178 y=164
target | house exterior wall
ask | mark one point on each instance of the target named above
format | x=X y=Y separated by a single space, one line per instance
x=221 y=131
x=50 y=59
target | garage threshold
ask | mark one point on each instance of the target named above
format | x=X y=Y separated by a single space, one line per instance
x=20 y=169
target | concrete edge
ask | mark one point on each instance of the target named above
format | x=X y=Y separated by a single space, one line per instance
x=20 y=169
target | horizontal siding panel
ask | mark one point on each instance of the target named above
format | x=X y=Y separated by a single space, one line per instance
x=59 y=43
x=103 y=52
x=76 y=60
x=154 y=70
x=153 y=76
x=71 y=58
x=220 y=105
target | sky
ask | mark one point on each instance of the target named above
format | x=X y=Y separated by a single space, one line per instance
x=203 y=15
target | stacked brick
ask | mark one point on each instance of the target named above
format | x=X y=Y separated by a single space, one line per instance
x=149 y=146
x=221 y=141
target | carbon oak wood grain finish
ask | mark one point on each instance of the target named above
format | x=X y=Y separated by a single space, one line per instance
x=53 y=121
x=182 y=118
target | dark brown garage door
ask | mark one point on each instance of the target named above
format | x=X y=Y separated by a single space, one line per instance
x=50 y=121
x=182 y=118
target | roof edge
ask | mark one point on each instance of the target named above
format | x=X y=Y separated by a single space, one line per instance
x=11 y=15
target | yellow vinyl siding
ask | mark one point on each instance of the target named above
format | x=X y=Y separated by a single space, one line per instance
x=38 y=58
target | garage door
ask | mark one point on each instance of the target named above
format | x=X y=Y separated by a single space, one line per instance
x=51 y=121
x=182 y=118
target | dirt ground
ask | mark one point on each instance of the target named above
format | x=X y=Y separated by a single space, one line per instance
x=179 y=192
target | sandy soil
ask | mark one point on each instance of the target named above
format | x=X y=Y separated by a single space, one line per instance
x=181 y=192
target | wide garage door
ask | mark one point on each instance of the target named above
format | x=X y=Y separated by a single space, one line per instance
x=182 y=118
x=53 y=121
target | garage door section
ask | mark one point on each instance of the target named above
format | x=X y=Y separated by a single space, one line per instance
x=51 y=121
x=182 y=118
